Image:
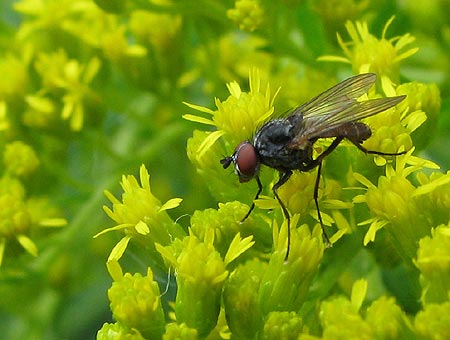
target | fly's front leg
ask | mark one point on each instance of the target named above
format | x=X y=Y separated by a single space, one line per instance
x=283 y=179
x=256 y=197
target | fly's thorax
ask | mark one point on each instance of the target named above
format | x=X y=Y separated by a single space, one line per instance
x=275 y=131
x=272 y=144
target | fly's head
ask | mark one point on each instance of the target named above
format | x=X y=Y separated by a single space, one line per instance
x=246 y=162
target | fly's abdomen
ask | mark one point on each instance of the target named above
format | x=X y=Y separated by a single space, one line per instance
x=355 y=131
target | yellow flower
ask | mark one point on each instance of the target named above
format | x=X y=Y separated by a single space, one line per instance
x=396 y=204
x=140 y=214
x=248 y=14
x=69 y=80
x=366 y=52
x=20 y=159
x=238 y=116
x=156 y=28
x=136 y=303
x=18 y=216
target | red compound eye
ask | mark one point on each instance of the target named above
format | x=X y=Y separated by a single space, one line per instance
x=246 y=161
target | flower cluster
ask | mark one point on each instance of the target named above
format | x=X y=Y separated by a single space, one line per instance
x=22 y=216
x=97 y=95
x=248 y=14
x=366 y=52
x=261 y=292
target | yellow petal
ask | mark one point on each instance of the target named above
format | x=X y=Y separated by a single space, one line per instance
x=53 y=222
x=198 y=119
x=27 y=244
x=142 y=228
x=115 y=270
x=199 y=108
x=119 y=249
x=359 y=291
x=170 y=204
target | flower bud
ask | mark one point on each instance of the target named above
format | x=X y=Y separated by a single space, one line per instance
x=433 y=262
x=135 y=303
x=200 y=276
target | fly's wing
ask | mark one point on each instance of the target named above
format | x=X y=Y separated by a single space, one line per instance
x=337 y=97
x=337 y=106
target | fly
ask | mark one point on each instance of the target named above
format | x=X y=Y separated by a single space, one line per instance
x=286 y=144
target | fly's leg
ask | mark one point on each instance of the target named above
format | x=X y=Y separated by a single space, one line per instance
x=283 y=178
x=318 y=163
x=316 y=201
x=363 y=149
x=256 y=197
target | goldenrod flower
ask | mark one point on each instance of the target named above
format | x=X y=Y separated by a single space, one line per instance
x=367 y=53
x=224 y=222
x=136 y=304
x=395 y=203
x=285 y=283
x=15 y=78
x=433 y=261
x=140 y=214
x=115 y=331
x=234 y=54
x=157 y=29
x=388 y=320
x=18 y=217
x=282 y=325
x=176 y=331
x=248 y=14
x=20 y=159
x=240 y=297
x=238 y=116
x=69 y=81
x=433 y=322
x=117 y=47
x=200 y=276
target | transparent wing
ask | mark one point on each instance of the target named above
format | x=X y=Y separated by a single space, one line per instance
x=337 y=97
x=337 y=106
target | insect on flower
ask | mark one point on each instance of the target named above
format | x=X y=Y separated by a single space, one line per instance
x=286 y=144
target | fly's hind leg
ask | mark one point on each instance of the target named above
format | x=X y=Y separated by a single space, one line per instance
x=372 y=152
x=283 y=179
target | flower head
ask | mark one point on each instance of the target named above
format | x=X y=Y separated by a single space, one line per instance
x=395 y=202
x=116 y=330
x=20 y=159
x=15 y=78
x=68 y=80
x=367 y=53
x=241 y=298
x=155 y=28
x=200 y=276
x=248 y=14
x=175 y=331
x=136 y=303
x=238 y=116
x=433 y=261
x=282 y=325
x=20 y=216
x=141 y=214
x=433 y=322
